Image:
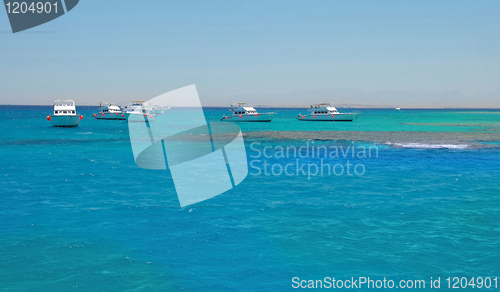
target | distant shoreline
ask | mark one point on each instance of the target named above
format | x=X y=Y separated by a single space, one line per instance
x=306 y=106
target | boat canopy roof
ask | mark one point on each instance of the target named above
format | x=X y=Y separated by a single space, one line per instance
x=320 y=105
x=137 y=103
x=109 y=105
x=67 y=102
x=238 y=104
x=105 y=103
x=64 y=104
x=242 y=105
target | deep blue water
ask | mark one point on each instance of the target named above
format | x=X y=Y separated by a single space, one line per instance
x=77 y=213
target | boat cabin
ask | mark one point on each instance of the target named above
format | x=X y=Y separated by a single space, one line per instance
x=64 y=108
x=240 y=108
x=322 y=108
x=110 y=108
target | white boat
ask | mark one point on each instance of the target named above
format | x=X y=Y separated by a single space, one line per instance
x=398 y=109
x=139 y=107
x=110 y=111
x=158 y=109
x=324 y=112
x=244 y=113
x=64 y=114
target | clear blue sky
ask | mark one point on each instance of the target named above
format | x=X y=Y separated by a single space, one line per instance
x=266 y=52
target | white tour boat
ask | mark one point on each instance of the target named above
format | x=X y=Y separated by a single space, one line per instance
x=110 y=112
x=139 y=107
x=244 y=113
x=158 y=109
x=326 y=113
x=64 y=114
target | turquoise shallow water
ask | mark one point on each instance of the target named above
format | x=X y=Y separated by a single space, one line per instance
x=448 y=120
x=78 y=214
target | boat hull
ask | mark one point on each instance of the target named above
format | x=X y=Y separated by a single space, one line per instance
x=64 y=121
x=112 y=116
x=248 y=118
x=328 y=118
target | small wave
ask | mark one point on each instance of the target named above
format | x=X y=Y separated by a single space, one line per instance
x=430 y=146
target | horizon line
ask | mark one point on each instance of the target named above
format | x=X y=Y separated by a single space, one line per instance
x=305 y=106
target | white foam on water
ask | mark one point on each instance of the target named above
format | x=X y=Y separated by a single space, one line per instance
x=430 y=146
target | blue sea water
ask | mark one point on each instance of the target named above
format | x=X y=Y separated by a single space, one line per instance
x=77 y=213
